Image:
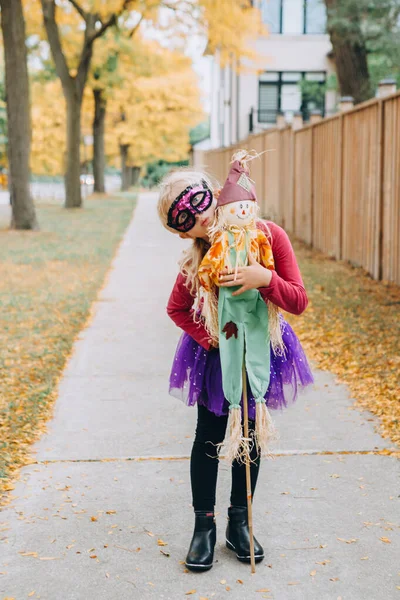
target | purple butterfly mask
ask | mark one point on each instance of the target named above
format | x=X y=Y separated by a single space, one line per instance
x=194 y=199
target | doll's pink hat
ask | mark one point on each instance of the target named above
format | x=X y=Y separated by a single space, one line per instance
x=238 y=185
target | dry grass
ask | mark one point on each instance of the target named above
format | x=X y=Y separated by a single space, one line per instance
x=48 y=280
x=352 y=328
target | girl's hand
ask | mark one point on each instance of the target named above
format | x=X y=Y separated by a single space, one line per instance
x=252 y=277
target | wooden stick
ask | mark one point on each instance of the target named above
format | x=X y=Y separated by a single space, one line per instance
x=248 y=479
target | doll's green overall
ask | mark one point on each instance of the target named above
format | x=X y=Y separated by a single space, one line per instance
x=244 y=335
x=243 y=323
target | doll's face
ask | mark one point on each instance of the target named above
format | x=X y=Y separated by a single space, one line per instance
x=239 y=213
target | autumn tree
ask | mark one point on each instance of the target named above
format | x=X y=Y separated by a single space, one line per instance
x=18 y=114
x=96 y=21
x=229 y=24
x=360 y=30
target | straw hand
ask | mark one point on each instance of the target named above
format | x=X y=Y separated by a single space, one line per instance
x=251 y=277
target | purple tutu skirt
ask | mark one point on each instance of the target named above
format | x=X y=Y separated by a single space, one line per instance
x=196 y=375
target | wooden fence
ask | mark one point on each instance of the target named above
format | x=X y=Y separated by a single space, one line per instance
x=334 y=184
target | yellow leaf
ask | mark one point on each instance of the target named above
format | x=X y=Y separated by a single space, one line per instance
x=111 y=512
x=161 y=543
x=93 y=518
x=223 y=581
x=263 y=590
x=312 y=573
x=385 y=539
x=190 y=592
x=239 y=581
x=31 y=593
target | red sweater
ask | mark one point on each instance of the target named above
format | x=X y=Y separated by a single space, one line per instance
x=286 y=288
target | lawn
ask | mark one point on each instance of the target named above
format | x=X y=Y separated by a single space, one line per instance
x=352 y=328
x=48 y=281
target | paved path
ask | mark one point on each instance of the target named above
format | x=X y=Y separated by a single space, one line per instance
x=112 y=473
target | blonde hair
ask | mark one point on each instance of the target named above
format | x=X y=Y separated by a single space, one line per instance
x=170 y=187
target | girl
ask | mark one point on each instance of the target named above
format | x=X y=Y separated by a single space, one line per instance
x=187 y=206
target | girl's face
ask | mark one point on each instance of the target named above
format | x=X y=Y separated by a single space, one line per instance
x=202 y=224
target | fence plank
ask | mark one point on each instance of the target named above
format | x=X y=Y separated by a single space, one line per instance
x=335 y=184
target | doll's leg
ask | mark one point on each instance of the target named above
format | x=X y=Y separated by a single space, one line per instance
x=238 y=489
x=204 y=459
x=231 y=344
x=257 y=348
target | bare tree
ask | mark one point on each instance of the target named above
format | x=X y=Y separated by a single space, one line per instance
x=73 y=86
x=18 y=114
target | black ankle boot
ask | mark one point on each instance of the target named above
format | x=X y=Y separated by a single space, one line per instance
x=201 y=551
x=238 y=535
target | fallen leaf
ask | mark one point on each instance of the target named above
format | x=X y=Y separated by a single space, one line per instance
x=149 y=533
x=161 y=543
x=351 y=541
x=93 y=518
x=263 y=590
x=323 y=562
x=108 y=575
x=31 y=594
x=28 y=553
x=93 y=556
x=312 y=573
x=385 y=539
x=364 y=558
x=190 y=592
x=227 y=588
x=334 y=579
x=49 y=557
x=335 y=475
x=111 y=512
x=239 y=581
x=150 y=583
x=293 y=582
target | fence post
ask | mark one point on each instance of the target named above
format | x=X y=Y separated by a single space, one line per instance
x=346 y=103
x=280 y=120
x=386 y=87
x=315 y=116
x=378 y=263
x=297 y=121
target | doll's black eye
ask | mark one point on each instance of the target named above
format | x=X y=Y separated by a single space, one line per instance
x=241 y=206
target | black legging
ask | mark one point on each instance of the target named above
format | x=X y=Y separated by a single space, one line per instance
x=204 y=463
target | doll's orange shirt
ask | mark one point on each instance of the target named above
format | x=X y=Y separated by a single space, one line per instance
x=286 y=288
x=218 y=255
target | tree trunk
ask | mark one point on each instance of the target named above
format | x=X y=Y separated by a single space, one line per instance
x=99 y=162
x=73 y=197
x=18 y=114
x=135 y=173
x=349 y=52
x=125 y=175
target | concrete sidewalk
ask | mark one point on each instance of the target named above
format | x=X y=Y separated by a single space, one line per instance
x=111 y=483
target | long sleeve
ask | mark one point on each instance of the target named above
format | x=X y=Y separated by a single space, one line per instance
x=286 y=288
x=180 y=310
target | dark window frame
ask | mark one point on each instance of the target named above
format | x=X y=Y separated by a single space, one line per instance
x=280 y=83
x=305 y=32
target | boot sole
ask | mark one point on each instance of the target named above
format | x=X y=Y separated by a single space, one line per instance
x=193 y=567
x=247 y=559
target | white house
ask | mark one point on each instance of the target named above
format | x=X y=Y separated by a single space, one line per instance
x=297 y=65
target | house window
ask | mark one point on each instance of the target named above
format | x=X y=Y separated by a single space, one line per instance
x=289 y=92
x=294 y=16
